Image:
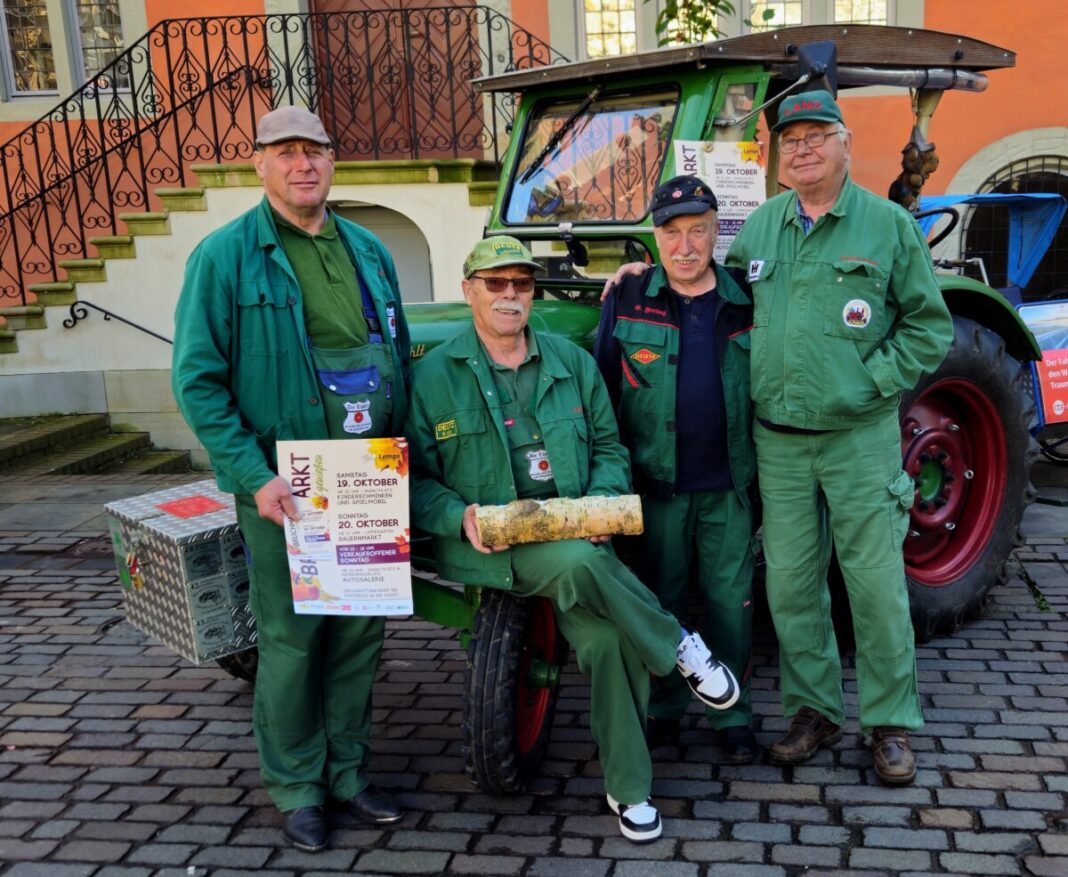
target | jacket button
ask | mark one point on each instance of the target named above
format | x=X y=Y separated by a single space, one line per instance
x=314 y=400
x=292 y=300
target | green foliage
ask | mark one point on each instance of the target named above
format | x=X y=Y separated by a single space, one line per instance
x=694 y=21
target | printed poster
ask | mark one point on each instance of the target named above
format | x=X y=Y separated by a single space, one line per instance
x=1048 y=322
x=736 y=174
x=349 y=554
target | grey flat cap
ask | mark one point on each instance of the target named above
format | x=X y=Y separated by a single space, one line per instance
x=290 y=123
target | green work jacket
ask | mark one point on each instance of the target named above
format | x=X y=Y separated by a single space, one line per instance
x=460 y=453
x=637 y=351
x=845 y=317
x=241 y=372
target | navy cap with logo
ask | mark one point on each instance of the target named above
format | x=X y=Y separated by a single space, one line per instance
x=681 y=196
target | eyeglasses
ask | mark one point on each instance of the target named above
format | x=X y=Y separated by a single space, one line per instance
x=812 y=140
x=499 y=284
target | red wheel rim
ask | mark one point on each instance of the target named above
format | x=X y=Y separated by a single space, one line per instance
x=532 y=701
x=954 y=448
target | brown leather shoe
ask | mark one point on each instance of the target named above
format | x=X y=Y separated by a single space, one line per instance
x=895 y=764
x=808 y=731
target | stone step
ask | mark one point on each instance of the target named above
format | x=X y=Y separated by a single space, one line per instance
x=150 y=463
x=23 y=317
x=84 y=270
x=114 y=246
x=89 y=456
x=146 y=223
x=57 y=292
x=23 y=437
x=8 y=342
x=189 y=198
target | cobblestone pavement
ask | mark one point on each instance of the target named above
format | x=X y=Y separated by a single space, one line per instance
x=117 y=758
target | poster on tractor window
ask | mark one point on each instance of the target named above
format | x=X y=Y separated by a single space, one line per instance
x=349 y=553
x=1048 y=322
x=735 y=171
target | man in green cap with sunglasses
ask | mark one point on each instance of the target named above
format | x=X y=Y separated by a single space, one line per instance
x=500 y=413
x=847 y=315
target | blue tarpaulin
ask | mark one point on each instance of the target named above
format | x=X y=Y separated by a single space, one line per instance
x=1033 y=221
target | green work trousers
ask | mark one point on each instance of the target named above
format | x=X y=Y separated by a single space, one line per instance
x=620 y=635
x=312 y=707
x=716 y=529
x=857 y=474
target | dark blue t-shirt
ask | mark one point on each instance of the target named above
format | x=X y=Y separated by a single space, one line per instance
x=700 y=426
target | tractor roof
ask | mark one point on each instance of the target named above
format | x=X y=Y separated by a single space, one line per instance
x=859 y=46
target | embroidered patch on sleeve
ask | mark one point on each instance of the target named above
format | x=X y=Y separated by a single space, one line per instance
x=445 y=430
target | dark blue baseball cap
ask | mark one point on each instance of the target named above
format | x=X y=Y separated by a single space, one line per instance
x=681 y=196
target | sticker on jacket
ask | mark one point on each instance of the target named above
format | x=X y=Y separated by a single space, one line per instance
x=540 y=470
x=359 y=417
x=391 y=320
x=445 y=430
x=856 y=314
x=756 y=268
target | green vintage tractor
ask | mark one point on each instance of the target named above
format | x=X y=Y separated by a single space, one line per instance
x=590 y=142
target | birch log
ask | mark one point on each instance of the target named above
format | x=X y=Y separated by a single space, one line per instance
x=550 y=520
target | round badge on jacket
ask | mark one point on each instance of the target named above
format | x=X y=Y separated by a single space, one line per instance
x=856 y=314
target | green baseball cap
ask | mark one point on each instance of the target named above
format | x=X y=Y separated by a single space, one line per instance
x=497 y=252
x=809 y=106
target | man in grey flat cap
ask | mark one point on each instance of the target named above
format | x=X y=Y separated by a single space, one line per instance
x=289 y=326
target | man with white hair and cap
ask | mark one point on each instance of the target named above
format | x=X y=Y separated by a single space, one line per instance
x=289 y=326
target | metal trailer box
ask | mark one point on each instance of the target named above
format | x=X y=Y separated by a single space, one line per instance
x=182 y=568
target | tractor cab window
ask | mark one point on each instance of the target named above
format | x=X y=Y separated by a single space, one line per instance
x=738 y=101
x=593 y=160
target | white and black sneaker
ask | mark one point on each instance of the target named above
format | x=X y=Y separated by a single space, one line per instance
x=639 y=823
x=711 y=681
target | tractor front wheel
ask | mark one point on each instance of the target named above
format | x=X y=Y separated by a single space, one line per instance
x=514 y=661
x=966 y=442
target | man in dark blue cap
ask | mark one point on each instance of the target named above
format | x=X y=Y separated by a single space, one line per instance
x=673 y=346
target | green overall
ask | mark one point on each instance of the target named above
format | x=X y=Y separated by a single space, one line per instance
x=845 y=318
x=312 y=709
x=460 y=430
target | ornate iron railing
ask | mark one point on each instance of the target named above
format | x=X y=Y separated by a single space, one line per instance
x=388 y=84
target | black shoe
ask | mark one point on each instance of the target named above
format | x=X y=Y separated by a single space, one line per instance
x=373 y=805
x=306 y=828
x=661 y=732
x=739 y=745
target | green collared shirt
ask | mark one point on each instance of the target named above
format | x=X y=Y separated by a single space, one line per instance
x=516 y=388
x=333 y=307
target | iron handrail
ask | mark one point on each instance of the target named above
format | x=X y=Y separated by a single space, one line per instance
x=387 y=83
x=79 y=312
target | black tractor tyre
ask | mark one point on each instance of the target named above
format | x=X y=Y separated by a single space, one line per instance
x=241 y=665
x=507 y=716
x=966 y=440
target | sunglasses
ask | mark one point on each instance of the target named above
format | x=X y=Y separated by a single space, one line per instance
x=500 y=284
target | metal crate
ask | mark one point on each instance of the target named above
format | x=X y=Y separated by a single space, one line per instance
x=182 y=569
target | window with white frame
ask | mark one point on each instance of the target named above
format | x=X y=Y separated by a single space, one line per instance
x=783 y=13
x=862 y=11
x=29 y=67
x=611 y=27
x=98 y=34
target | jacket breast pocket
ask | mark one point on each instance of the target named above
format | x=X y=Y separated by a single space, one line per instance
x=643 y=346
x=465 y=452
x=351 y=383
x=855 y=300
x=761 y=275
x=262 y=314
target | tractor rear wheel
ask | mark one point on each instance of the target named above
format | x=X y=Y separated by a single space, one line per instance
x=966 y=440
